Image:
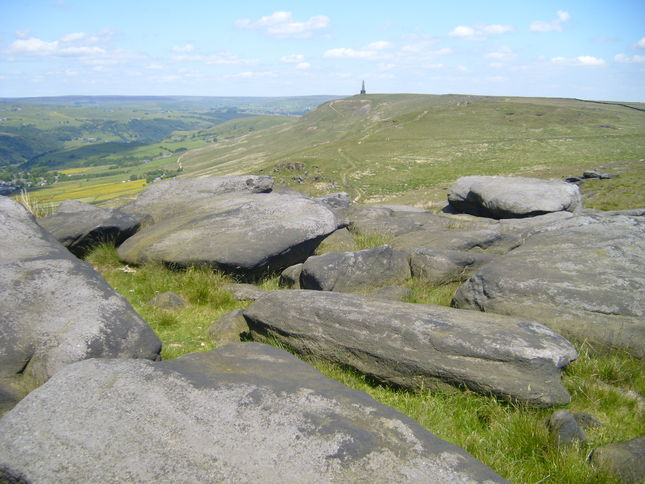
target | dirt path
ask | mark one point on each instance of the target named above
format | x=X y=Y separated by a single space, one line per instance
x=351 y=168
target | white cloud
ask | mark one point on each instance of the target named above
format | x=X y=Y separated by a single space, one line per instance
x=252 y=75
x=462 y=31
x=76 y=44
x=371 y=51
x=303 y=66
x=183 y=48
x=221 y=58
x=641 y=43
x=554 y=25
x=497 y=29
x=581 y=60
x=281 y=24
x=504 y=52
x=153 y=67
x=625 y=59
x=479 y=32
x=292 y=58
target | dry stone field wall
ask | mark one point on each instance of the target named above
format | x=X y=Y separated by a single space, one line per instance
x=83 y=390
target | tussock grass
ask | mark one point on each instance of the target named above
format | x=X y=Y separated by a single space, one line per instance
x=512 y=439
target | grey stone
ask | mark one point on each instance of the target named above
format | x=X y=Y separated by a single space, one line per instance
x=339 y=204
x=418 y=345
x=237 y=232
x=598 y=175
x=626 y=460
x=587 y=421
x=339 y=241
x=583 y=277
x=244 y=292
x=492 y=241
x=392 y=293
x=229 y=328
x=444 y=266
x=509 y=197
x=80 y=226
x=565 y=428
x=55 y=309
x=355 y=271
x=242 y=413
x=172 y=198
x=167 y=300
x=290 y=277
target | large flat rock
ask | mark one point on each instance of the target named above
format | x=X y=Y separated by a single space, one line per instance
x=510 y=197
x=55 y=309
x=80 y=226
x=239 y=231
x=417 y=345
x=242 y=413
x=583 y=277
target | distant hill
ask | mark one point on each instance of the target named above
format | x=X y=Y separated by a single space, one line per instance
x=377 y=146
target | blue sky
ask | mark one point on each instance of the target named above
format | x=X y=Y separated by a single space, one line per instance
x=587 y=49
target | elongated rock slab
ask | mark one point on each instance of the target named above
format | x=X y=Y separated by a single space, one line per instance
x=416 y=345
x=243 y=413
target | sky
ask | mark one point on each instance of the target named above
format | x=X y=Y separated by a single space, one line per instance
x=563 y=48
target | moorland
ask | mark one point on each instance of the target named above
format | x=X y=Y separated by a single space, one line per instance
x=381 y=149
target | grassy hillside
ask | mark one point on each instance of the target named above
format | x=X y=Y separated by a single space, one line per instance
x=409 y=148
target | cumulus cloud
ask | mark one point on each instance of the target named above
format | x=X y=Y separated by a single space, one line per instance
x=626 y=59
x=282 y=24
x=555 y=25
x=371 y=51
x=303 y=66
x=183 y=48
x=641 y=43
x=36 y=47
x=479 y=32
x=581 y=60
x=220 y=58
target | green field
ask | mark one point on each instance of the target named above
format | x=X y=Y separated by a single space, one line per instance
x=410 y=148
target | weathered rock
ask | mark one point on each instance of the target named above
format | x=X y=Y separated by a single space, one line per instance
x=242 y=413
x=624 y=459
x=565 y=428
x=172 y=198
x=392 y=293
x=290 y=277
x=443 y=266
x=583 y=278
x=229 y=328
x=244 y=292
x=242 y=233
x=80 y=226
x=167 y=300
x=587 y=421
x=492 y=241
x=339 y=241
x=418 y=345
x=509 y=197
x=355 y=271
x=598 y=175
x=339 y=204
x=55 y=309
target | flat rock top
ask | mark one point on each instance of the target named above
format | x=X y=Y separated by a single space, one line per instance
x=237 y=231
x=503 y=196
x=243 y=413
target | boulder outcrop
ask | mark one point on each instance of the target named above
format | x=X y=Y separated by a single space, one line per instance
x=416 y=345
x=582 y=277
x=510 y=197
x=80 y=226
x=55 y=309
x=238 y=231
x=242 y=413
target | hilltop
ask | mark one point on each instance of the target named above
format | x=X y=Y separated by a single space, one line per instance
x=402 y=147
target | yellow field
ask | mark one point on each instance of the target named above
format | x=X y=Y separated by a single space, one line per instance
x=74 y=171
x=89 y=194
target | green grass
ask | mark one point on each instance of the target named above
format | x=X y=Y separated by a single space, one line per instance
x=512 y=439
